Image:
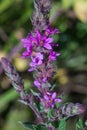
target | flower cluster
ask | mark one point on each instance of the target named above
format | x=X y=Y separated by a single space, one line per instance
x=40 y=50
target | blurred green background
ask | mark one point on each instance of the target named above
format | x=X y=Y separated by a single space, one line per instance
x=70 y=17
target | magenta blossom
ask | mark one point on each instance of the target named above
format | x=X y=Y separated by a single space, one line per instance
x=27 y=44
x=51 y=31
x=53 y=55
x=37 y=83
x=40 y=82
x=36 y=60
x=44 y=41
x=33 y=41
x=50 y=99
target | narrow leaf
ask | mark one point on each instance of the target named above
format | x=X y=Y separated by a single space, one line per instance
x=41 y=127
x=23 y=102
x=31 y=126
x=79 y=125
x=62 y=125
x=28 y=125
x=34 y=93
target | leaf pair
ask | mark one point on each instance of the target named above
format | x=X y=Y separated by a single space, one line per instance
x=32 y=126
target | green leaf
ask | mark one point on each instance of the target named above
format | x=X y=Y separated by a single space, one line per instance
x=23 y=102
x=55 y=124
x=31 y=126
x=54 y=85
x=51 y=113
x=79 y=125
x=57 y=104
x=62 y=125
x=41 y=127
x=28 y=125
x=37 y=106
x=34 y=93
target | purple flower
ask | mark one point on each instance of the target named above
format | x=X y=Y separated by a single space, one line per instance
x=47 y=44
x=36 y=60
x=44 y=41
x=37 y=83
x=44 y=79
x=51 y=31
x=32 y=69
x=49 y=99
x=28 y=46
x=53 y=55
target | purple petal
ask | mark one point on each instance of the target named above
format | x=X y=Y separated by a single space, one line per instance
x=24 y=40
x=52 y=105
x=37 y=83
x=58 y=100
x=34 y=40
x=32 y=64
x=54 y=95
x=55 y=31
x=38 y=35
x=44 y=79
x=53 y=55
x=39 y=62
x=46 y=97
x=48 y=93
x=39 y=55
x=31 y=69
x=47 y=46
x=25 y=54
x=49 y=40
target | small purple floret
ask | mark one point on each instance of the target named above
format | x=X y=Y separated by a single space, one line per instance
x=36 y=60
x=50 y=99
x=37 y=83
x=53 y=55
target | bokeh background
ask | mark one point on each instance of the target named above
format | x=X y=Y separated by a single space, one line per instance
x=70 y=17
